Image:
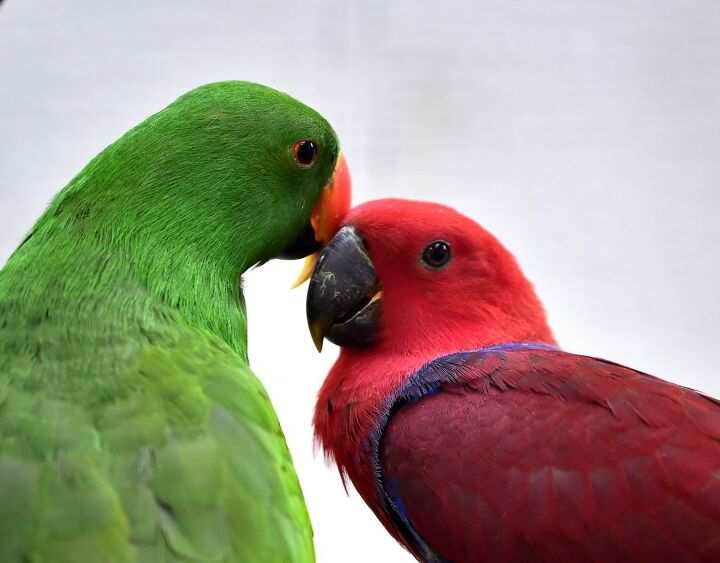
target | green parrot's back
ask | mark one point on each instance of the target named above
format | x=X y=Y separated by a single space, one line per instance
x=155 y=444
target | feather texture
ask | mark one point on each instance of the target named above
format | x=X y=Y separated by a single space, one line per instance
x=468 y=447
x=540 y=455
x=131 y=427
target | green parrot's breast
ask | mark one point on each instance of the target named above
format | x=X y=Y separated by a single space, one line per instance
x=138 y=441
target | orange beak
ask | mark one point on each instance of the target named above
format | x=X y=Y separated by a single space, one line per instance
x=328 y=214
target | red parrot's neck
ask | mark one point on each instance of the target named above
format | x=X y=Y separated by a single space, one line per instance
x=347 y=413
x=361 y=381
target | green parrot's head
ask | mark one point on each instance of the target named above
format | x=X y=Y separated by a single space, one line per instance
x=229 y=175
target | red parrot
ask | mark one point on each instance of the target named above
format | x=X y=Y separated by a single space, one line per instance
x=470 y=434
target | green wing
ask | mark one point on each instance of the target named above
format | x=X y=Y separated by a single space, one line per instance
x=188 y=464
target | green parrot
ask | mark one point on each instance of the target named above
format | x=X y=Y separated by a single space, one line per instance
x=131 y=427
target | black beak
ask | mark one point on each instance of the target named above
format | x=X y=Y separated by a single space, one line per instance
x=303 y=246
x=343 y=297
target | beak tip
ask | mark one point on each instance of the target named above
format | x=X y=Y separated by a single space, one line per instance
x=297 y=283
x=307 y=270
x=318 y=341
x=318 y=335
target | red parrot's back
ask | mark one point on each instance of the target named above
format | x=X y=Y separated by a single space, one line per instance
x=539 y=455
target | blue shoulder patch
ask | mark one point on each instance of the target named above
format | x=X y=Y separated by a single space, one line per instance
x=428 y=380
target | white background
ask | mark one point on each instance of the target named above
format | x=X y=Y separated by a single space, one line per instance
x=584 y=133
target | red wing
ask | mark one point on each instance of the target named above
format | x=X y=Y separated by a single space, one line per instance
x=547 y=456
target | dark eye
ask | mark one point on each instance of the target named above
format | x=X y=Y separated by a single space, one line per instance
x=305 y=152
x=436 y=254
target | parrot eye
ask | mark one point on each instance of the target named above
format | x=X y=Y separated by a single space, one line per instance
x=436 y=254
x=305 y=153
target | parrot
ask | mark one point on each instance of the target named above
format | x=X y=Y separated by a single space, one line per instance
x=470 y=433
x=131 y=426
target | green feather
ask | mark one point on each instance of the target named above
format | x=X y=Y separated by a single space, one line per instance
x=131 y=427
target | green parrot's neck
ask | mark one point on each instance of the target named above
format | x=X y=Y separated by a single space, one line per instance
x=164 y=221
x=76 y=273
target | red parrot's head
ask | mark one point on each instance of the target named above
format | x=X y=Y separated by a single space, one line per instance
x=409 y=277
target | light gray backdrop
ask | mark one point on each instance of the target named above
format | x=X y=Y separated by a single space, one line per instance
x=585 y=134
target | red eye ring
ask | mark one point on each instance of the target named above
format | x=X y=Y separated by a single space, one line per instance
x=305 y=152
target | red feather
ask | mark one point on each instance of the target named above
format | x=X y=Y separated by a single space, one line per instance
x=514 y=454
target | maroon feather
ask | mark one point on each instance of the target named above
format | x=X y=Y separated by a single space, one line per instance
x=541 y=455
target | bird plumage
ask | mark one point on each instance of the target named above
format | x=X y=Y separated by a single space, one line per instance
x=471 y=435
x=527 y=453
x=131 y=426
